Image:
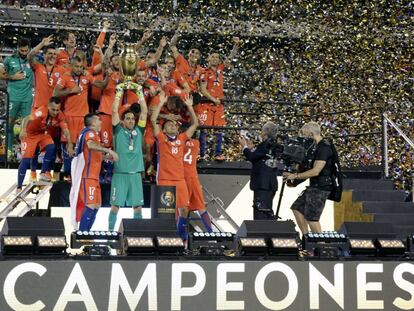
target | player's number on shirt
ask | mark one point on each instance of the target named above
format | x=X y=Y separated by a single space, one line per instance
x=92 y=191
x=174 y=150
x=188 y=157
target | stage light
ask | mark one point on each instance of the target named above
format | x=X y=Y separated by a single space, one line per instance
x=139 y=246
x=390 y=247
x=284 y=246
x=362 y=246
x=52 y=245
x=252 y=246
x=96 y=242
x=211 y=244
x=326 y=244
x=169 y=245
x=17 y=245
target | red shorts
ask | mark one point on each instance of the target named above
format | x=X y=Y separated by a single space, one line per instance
x=29 y=144
x=181 y=191
x=106 y=130
x=210 y=114
x=90 y=192
x=75 y=127
x=195 y=193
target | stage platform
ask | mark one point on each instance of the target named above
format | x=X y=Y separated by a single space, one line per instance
x=206 y=285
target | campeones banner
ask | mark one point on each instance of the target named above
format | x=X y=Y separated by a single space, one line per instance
x=206 y=285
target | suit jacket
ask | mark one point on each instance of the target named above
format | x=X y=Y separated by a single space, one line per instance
x=262 y=177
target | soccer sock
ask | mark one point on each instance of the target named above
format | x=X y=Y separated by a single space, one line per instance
x=95 y=211
x=33 y=162
x=205 y=218
x=86 y=219
x=219 y=141
x=67 y=160
x=202 y=140
x=10 y=138
x=50 y=151
x=23 y=166
x=182 y=228
x=137 y=214
x=111 y=220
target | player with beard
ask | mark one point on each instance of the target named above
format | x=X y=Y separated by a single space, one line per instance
x=65 y=56
x=74 y=85
x=35 y=134
x=20 y=87
x=170 y=144
x=211 y=112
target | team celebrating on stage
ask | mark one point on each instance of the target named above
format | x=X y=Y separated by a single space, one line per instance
x=107 y=128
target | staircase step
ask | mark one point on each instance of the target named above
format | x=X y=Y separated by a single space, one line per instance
x=364 y=172
x=378 y=195
x=404 y=230
x=395 y=219
x=368 y=184
x=381 y=207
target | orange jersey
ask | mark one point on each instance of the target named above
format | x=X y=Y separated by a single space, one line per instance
x=191 y=150
x=76 y=104
x=41 y=123
x=172 y=89
x=108 y=95
x=93 y=158
x=64 y=58
x=170 y=157
x=214 y=80
x=190 y=74
x=45 y=82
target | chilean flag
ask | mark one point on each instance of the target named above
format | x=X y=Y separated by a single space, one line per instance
x=78 y=164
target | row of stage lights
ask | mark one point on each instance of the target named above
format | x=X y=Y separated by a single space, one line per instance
x=323 y=245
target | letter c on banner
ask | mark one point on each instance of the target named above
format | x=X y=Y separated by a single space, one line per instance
x=292 y=287
x=10 y=283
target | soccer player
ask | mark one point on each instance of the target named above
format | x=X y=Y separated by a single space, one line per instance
x=191 y=151
x=86 y=169
x=211 y=113
x=170 y=171
x=74 y=86
x=35 y=133
x=126 y=186
x=64 y=57
x=19 y=87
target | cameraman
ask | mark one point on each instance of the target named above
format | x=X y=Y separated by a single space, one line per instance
x=263 y=177
x=309 y=205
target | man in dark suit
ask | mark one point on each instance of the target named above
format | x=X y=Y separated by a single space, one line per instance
x=263 y=177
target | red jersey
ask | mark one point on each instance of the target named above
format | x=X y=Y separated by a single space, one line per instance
x=93 y=158
x=190 y=74
x=42 y=123
x=45 y=81
x=172 y=89
x=191 y=150
x=64 y=58
x=108 y=95
x=76 y=105
x=214 y=80
x=170 y=156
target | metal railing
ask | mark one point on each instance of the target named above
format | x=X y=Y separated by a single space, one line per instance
x=386 y=120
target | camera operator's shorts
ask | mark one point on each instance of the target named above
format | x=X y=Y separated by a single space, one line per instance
x=311 y=203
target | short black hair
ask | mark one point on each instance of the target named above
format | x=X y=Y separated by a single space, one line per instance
x=23 y=42
x=126 y=112
x=87 y=120
x=151 y=51
x=55 y=100
x=49 y=47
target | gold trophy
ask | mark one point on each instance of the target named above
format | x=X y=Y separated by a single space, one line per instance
x=128 y=66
